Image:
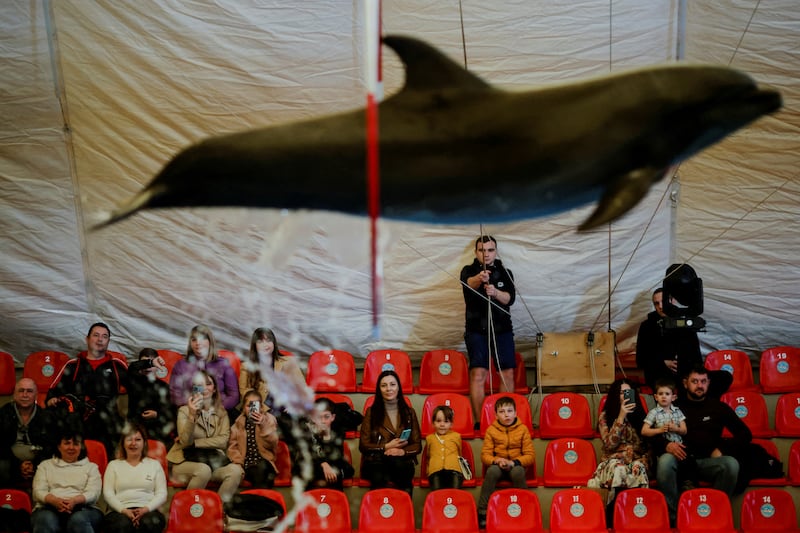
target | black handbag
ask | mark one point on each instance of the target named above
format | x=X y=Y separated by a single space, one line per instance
x=213 y=457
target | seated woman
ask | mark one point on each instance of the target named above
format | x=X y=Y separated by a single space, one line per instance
x=254 y=442
x=134 y=487
x=198 y=455
x=389 y=452
x=201 y=354
x=265 y=353
x=66 y=488
x=624 y=459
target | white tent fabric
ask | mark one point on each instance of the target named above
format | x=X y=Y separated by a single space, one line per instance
x=96 y=96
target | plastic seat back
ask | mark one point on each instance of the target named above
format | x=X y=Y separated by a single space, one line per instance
x=523 y=411
x=751 y=408
x=449 y=511
x=386 y=511
x=565 y=414
x=577 y=510
x=520 y=384
x=328 y=511
x=96 y=452
x=170 y=358
x=443 y=371
x=15 y=499
x=779 y=370
x=787 y=415
x=43 y=368
x=8 y=374
x=233 y=360
x=380 y=360
x=641 y=509
x=195 y=511
x=767 y=511
x=794 y=464
x=738 y=364
x=283 y=462
x=157 y=450
x=462 y=413
x=569 y=462
x=331 y=371
x=516 y=510
x=772 y=449
x=705 y=510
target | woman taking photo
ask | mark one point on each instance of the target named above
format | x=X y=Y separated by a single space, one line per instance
x=66 y=489
x=254 y=442
x=390 y=436
x=198 y=455
x=134 y=487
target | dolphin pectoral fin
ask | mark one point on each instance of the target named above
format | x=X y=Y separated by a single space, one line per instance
x=622 y=195
x=138 y=202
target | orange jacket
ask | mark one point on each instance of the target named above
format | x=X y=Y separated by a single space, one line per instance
x=509 y=442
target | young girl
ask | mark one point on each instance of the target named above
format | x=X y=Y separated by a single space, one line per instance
x=254 y=442
x=443 y=448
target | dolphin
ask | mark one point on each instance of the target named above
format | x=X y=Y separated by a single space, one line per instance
x=455 y=149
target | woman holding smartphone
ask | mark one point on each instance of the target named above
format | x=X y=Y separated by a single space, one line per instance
x=624 y=462
x=390 y=436
x=254 y=442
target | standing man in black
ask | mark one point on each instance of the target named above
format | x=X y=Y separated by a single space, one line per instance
x=489 y=294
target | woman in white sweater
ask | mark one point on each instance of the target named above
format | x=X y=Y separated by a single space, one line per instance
x=66 y=489
x=134 y=487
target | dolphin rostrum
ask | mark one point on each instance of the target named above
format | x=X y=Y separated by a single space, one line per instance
x=454 y=149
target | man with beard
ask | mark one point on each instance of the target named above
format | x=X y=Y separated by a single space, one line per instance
x=706 y=417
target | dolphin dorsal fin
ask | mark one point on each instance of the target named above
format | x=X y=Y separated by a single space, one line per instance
x=427 y=68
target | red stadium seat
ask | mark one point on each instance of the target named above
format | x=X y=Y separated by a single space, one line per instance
x=96 y=452
x=794 y=464
x=577 y=511
x=15 y=499
x=328 y=511
x=738 y=364
x=331 y=371
x=520 y=377
x=771 y=449
x=751 y=408
x=565 y=414
x=283 y=462
x=449 y=511
x=195 y=511
x=170 y=358
x=443 y=371
x=523 y=411
x=43 y=368
x=705 y=510
x=569 y=462
x=381 y=360
x=787 y=415
x=233 y=360
x=641 y=509
x=462 y=416
x=779 y=370
x=8 y=374
x=514 y=510
x=158 y=450
x=768 y=511
x=386 y=511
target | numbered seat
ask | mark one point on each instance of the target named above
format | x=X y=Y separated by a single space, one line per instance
x=768 y=511
x=704 y=510
x=331 y=371
x=462 y=413
x=565 y=414
x=738 y=364
x=772 y=449
x=449 y=511
x=43 y=368
x=170 y=357
x=195 y=511
x=787 y=415
x=751 y=408
x=328 y=511
x=96 y=452
x=523 y=411
x=577 y=510
x=794 y=464
x=379 y=361
x=233 y=360
x=8 y=374
x=466 y=453
x=568 y=462
x=779 y=370
x=641 y=509
x=443 y=371
x=15 y=499
x=520 y=377
x=386 y=511
x=516 y=510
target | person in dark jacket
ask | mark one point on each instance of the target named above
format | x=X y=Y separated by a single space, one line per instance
x=148 y=399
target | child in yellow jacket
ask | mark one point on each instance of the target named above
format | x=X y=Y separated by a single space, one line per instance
x=443 y=448
x=507 y=452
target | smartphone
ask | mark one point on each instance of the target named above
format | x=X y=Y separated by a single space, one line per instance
x=198 y=390
x=405 y=434
x=254 y=406
x=628 y=396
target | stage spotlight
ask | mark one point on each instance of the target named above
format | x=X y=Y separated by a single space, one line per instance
x=683 y=298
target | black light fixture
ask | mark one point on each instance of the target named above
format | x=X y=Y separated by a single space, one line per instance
x=682 y=298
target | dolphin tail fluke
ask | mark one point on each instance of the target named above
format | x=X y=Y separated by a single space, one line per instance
x=140 y=201
x=622 y=195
